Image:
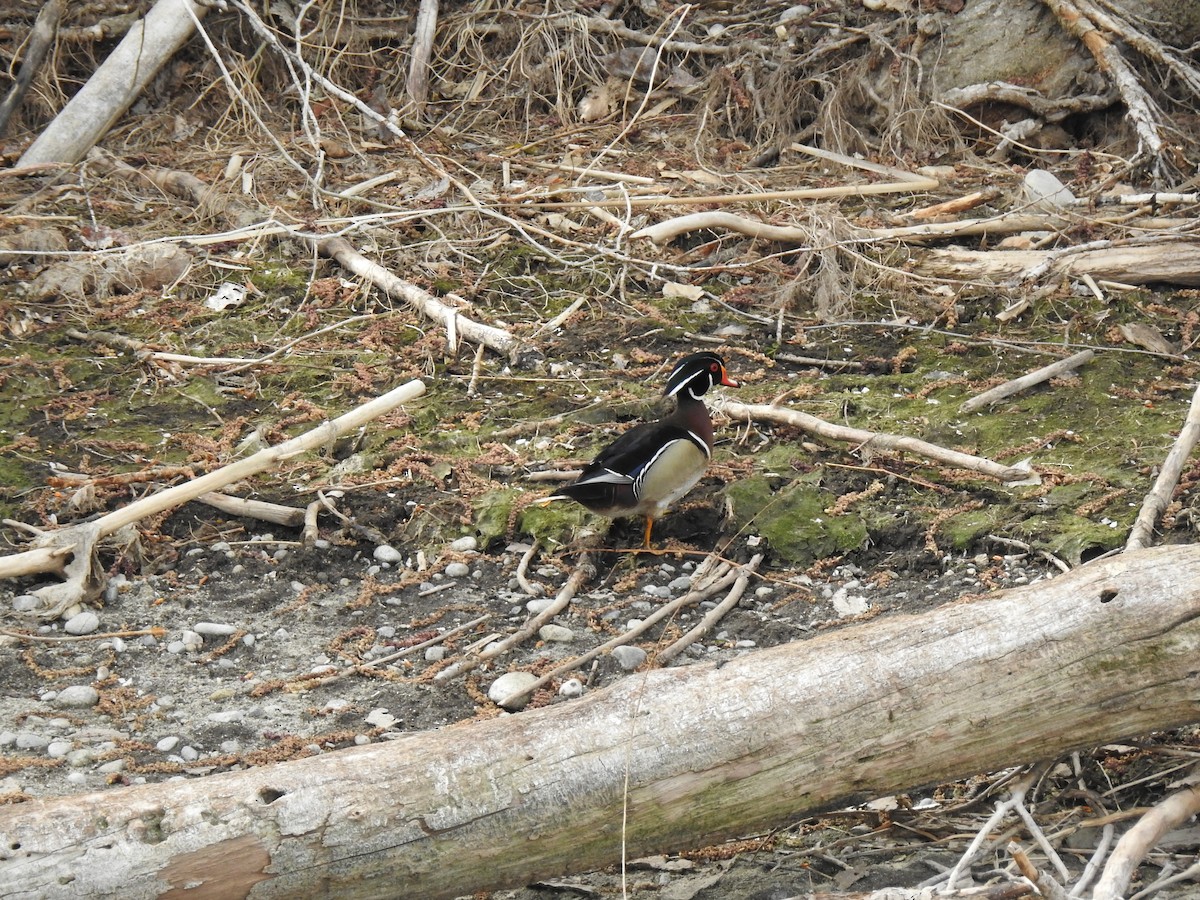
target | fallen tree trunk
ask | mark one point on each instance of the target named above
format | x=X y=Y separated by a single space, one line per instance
x=663 y=760
x=1167 y=262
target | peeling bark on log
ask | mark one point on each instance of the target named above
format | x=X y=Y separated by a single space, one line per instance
x=696 y=754
x=1167 y=262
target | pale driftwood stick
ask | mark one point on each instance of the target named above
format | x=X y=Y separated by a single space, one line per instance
x=692 y=754
x=667 y=230
x=209 y=200
x=1174 y=261
x=767 y=413
x=662 y=232
x=146 y=47
x=959 y=204
x=720 y=579
x=41 y=38
x=583 y=571
x=1164 y=486
x=594 y=174
x=418 y=68
x=338 y=248
x=1045 y=373
x=1045 y=883
x=714 y=615
x=275 y=513
x=83 y=579
x=1133 y=846
x=921 y=181
x=531 y=588
x=496 y=339
x=849 y=190
x=309 y=683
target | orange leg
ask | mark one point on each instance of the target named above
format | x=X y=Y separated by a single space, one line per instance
x=649 y=528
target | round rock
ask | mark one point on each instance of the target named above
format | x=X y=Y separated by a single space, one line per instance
x=628 y=658
x=507 y=685
x=83 y=623
x=77 y=696
x=386 y=553
x=457 y=570
x=559 y=633
x=465 y=544
x=214 y=629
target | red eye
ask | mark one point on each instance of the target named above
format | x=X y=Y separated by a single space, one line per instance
x=714 y=367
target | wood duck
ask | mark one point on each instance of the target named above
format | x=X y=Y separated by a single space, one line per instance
x=652 y=465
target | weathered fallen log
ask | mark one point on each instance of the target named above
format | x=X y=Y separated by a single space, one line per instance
x=663 y=760
x=1174 y=261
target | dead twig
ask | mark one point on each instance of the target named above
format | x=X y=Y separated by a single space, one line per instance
x=583 y=571
x=766 y=413
x=1164 y=486
x=68 y=638
x=456 y=323
x=723 y=577
x=41 y=39
x=1045 y=373
x=275 y=513
x=84 y=578
x=714 y=615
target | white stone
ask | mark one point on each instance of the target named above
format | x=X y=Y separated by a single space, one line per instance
x=386 y=553
x=77 y=696
x=214 y=629
x=457 y=570
x=627 y=657
x=167 y=744
x=1045 y=192
x=571 y=688
x=558 y=633
x=84 y=623
x=507 y=685
x=380 y=718
x=465 y=544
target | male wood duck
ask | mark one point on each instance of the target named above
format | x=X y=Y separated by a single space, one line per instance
x=652 y=465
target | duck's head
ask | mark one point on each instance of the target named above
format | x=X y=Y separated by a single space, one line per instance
x=695 y=374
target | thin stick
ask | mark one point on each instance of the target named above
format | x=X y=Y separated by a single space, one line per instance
x=1164 y=486
x=420 y=299
x=83 y=578
x=854 y=162
x=825 y=193
x=66 y=638
x=1045 y=373
x=583 y=571
x=714 y=615
x=693 y=596
x=41 y=39
x=533 y=590
x=275 y=513
x=901 y=444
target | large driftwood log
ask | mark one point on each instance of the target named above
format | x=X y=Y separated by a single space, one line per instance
x=1169 y=261
x=663 y=760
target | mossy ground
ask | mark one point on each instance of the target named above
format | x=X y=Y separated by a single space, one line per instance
x=462 y=457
